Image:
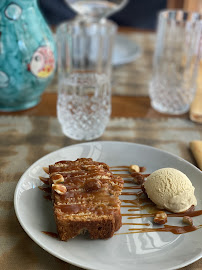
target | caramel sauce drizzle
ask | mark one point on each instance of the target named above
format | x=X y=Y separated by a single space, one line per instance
x=149 y=207
x=48 y=197
x=119 y=170
x=125 y=175
x=144 y=224
x=145 y=203
x=45 y=189
x=129 y=206
x=137 y=215
x=133 y=187
x=137 y=201
x=128 y=182
x=52 y=234
x=130 y=193
x=169 y=228
x=166 y=228
x=142 y=169
x=119 y=167
x=135 y=205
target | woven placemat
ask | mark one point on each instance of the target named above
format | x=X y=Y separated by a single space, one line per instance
x=25 y=139
x=133 y=78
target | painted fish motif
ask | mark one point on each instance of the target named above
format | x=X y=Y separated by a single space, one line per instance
x=42 y=63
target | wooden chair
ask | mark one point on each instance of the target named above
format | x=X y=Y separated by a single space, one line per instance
x=190 y=5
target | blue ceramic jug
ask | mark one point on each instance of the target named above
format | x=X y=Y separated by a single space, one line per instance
x=27 y=54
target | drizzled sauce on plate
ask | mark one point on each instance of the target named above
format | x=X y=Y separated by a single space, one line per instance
x=144 y=203
x=139 y=202
x=52 y=234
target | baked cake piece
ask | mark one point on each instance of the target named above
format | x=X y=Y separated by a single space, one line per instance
x=85 y=196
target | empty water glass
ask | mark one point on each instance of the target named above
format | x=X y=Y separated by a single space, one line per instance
x=84 y=69
x=176 y=60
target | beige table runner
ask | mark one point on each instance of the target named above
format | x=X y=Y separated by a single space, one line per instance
x=25 y=139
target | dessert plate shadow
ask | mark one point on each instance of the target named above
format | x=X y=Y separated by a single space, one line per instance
x=149 y=250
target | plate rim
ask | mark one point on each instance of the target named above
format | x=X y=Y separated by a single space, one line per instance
x=49 y=250
x=128 y=59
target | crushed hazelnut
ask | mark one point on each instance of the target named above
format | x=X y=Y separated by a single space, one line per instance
x=46 y=170
x=138 y=178
x=160 y=217
x=92 y=186
x=142 y=169
x=188 y=220
x=60 y=189
x=57 y=178
x=134 y=168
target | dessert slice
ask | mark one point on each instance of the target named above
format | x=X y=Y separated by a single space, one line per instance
x=85 y=196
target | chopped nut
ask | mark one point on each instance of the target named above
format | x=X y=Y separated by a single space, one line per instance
x=138 y=178
x=142 y=169
x=92 y=186
x=188 y=220
x=160 y=217
x=46 y=170
x=134 y=168
x=60 y=189
x=57 y=178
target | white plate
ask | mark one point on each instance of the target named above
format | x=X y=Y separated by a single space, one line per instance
x=125 y=50
x=154 y=250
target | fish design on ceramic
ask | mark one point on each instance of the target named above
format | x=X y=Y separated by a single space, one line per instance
x=42 y=63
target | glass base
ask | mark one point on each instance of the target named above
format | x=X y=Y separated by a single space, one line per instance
x=82 y=136
x=160 y=108
x=19 y=106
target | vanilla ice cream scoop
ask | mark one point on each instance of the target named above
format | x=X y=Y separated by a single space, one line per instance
x=170 y=189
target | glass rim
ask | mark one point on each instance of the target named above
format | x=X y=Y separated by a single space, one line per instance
x=180 y=15
x=121 y=5
x=109 y=25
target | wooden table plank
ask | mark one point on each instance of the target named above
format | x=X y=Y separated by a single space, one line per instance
x=122 y=106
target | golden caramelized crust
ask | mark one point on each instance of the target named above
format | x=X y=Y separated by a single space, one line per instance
x=85 y=196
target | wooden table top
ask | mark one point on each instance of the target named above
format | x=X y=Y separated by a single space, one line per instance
x=122 y=106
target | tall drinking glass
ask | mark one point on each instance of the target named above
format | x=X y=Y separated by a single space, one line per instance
x=176 y=60
x=84 y=69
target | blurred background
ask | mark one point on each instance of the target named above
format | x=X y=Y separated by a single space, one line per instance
x=138 y=14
